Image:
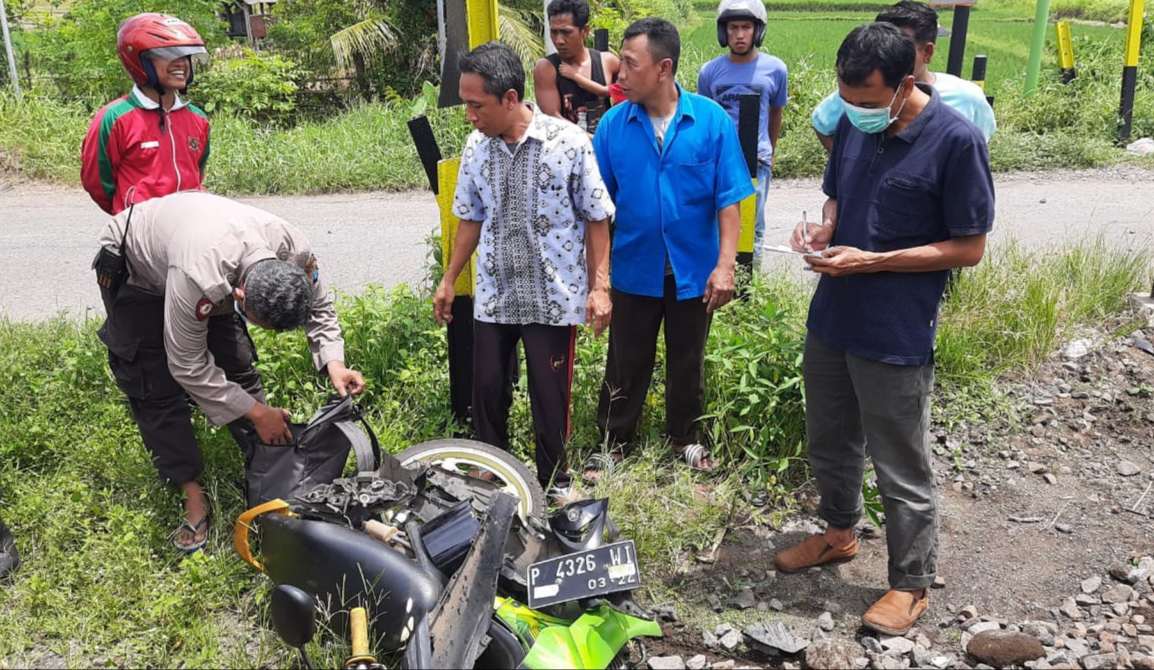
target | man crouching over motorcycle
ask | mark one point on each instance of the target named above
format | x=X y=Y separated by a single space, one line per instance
x=180 y=277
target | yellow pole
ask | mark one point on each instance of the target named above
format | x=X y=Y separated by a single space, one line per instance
x=1130 y=69
x=1065 y=51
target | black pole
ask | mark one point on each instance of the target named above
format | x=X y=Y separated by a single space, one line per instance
x=978 y=74
x=748 y=122
x=1126 y=111
x=958 y=40
x=427 y=149
x=601 y=39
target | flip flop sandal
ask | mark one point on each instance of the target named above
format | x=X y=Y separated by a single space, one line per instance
x=196 y=545
x=602 y=464
x=694 y=455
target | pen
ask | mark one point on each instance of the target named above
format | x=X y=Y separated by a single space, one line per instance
x=805 y=231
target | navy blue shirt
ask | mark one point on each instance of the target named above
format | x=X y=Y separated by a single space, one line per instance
x=929 y=183
x=667 y=199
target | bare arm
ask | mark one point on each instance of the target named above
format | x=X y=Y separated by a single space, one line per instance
x=952 y=253
x=775 y=127
x=599 y=308
x=719 y=287
x=826 y=141
x=545 y=88
x=468 y=235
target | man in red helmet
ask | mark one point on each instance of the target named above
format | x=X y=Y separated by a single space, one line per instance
x=150 y=142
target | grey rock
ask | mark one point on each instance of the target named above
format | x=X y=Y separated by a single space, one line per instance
x=831 y=655
x=776 y=635
x=1050 y=478
x=1064 y=528
x=825 y=621
x=722 y=629
x=983 y=627
x=697 y=662
x=665 y=613
x=1100 y=661
x=900 y=645
x=872 y=644
x=921 y=656
x=968 y=612
x=1091 y=584
x=743 y=600
x=710 y=640
x=941 y=662
x=831 y=607
x=1120 y=608
x=731 y=640
x=666 y=663
x=891 y=663
x=1086 y=600
x=1071 y=611
x=1118 y=594
x=1146 y=641
x=1001 y=648
x=939 y=582
x=775 y=605
x=1128 y=468
x=714 y=603
x=1076 y=647
x=724 y=665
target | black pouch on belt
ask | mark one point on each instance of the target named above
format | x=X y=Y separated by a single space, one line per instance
x=111 y=263
x=111 y=267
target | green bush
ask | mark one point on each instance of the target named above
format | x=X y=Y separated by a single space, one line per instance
x=78 y=51
x=259 y=87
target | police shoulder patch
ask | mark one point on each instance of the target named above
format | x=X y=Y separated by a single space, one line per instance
x=204 y=308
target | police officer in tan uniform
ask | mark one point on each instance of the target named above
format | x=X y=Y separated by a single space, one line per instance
x=196 y=259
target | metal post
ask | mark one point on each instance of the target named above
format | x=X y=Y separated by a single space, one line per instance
x=1034 y=65
x=1065 y=52
x=978 y=74
x=958 y=40
x=1130 y=70
x=748 y=125
x=601 y=39
x=8 y=48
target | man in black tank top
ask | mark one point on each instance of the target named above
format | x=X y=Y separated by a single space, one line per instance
x=573 y=84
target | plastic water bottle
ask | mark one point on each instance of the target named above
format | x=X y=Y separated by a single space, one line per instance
x=582 y=121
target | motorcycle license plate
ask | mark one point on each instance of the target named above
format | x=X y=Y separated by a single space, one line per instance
x=595 y=572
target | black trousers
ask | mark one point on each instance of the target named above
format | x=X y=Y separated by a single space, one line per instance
x=549 y=360
x=134 y=334
x=632 y=352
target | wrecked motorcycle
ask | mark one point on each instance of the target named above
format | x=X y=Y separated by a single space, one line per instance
x=449 y=549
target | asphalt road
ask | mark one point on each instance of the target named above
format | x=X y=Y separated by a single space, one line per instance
x=380 y=238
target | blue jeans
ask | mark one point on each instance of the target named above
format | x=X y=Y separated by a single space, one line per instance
x=764 y=175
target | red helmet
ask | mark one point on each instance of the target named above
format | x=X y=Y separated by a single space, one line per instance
x=145 y=36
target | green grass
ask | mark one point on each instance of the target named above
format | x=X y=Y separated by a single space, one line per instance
x=101 y=584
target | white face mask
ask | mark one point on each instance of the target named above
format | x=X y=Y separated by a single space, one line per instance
x=873 y=120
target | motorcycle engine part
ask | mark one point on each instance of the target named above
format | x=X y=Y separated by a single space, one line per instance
x=346 y=568
x=580 y=526
x=462 y=616
x=364 y=494
x=449 y=536
x=472 y=457
x=111 y=267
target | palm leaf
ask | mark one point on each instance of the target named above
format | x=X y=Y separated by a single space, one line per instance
x=368 y=39
x=521 y=31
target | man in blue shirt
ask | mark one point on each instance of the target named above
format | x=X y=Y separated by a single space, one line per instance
x=910 y=197
x=744 y=70
x=673 y=166
x=920 y=22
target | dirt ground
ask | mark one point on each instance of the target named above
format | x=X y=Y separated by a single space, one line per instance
x=1027 y=511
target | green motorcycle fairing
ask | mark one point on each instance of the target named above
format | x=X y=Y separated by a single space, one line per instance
x=591 y=642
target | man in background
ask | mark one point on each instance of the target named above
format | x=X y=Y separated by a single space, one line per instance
x=573 y=84
x=745 y=70
x=920 y=22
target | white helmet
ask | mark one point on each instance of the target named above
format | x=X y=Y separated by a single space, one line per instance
x=749 y=10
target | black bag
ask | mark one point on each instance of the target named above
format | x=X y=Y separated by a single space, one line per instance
x=316 y=456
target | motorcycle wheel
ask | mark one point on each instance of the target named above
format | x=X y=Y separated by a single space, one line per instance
x=477 y=459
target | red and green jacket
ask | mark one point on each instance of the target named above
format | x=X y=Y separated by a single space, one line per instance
x=133 y=142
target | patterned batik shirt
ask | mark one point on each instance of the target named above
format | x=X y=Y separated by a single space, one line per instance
x=533 y=200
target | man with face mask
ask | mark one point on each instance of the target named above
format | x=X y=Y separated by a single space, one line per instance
x=745 y=70
x=910 y=197
x=920 y=22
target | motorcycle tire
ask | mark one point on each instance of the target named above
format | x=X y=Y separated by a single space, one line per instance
x=470 y=457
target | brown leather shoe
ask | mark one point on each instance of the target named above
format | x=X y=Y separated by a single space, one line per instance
x=896 y=612
x=813 y=551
